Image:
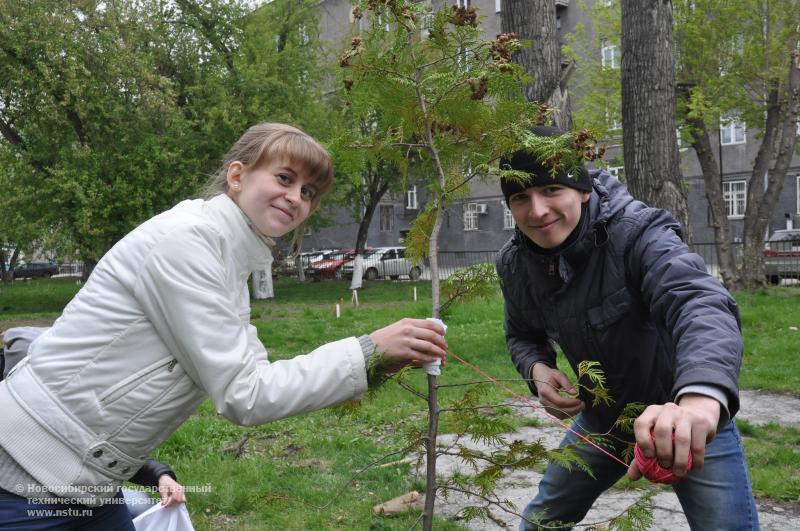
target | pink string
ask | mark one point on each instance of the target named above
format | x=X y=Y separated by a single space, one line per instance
x=656 y=473
x=537 y=408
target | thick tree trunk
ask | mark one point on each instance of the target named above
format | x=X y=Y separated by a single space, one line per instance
x=764 y=188
x=535 y=20
x=701 y=143
x=652 y=161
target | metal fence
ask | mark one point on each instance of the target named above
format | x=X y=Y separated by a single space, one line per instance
x=784 y=268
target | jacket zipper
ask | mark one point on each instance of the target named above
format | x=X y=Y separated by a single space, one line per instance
x=124 y=386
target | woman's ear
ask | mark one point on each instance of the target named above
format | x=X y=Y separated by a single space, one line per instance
x=234 y=177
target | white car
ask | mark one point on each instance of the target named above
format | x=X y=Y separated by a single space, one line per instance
x=385 y=262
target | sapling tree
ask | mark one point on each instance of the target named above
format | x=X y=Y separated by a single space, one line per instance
x=444 y=103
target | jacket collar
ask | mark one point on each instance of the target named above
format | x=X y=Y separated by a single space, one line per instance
x=251 y=249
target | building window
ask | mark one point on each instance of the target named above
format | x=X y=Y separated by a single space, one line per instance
x=613 y=119
x=497 y=6
x=610 y=58
x=411 y=198
x=508 y=219
x=470 y=216
x=303 y=33
x=617 y=171
x=731 y=131
x=797 y=190
x=464 y=3
x=735 y=194
x=387 y=218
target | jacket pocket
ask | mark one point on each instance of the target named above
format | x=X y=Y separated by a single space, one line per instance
x=605 y=333
x=131 y=382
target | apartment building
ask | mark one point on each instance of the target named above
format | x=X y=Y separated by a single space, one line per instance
x=483 y=222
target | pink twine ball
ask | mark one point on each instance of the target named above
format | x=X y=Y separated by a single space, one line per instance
x=654 y=472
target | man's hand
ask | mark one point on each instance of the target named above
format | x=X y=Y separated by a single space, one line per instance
x=549 y=384
x=693 y=421
x=171 y=491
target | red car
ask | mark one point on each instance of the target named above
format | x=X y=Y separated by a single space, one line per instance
x=331 y=266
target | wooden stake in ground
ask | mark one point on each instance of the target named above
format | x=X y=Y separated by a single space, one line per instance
x=354 y=298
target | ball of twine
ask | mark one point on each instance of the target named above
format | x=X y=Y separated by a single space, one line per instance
x=653 y=471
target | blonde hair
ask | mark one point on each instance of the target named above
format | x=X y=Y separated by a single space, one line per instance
x=269 y=141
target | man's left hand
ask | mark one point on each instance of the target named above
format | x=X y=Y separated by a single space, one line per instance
x=692 y=421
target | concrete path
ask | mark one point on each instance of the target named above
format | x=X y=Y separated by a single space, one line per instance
x=519 y=487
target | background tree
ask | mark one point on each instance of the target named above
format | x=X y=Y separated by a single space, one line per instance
x=745 y=68
x=534 y=23
x=81 y=106
x=119 y=110
x=652 y=162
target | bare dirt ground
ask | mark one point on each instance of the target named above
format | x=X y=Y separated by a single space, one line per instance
x=520 y=487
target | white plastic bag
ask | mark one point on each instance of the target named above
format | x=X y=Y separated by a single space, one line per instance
x=160 y=518
x=432 y=368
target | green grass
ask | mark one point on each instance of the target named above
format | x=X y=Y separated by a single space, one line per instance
x=773 y=454
x=292 y=471
x=772 y=356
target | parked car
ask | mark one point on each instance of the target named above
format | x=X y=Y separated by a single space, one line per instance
x=287 y=266
x=36 y=270
x=782 y=255
x=331 y=266
x=385 y=262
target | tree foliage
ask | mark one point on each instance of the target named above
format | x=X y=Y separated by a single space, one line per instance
x=437 y=98
x=111 y=112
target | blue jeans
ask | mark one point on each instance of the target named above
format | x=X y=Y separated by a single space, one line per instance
x=17 y=512
x=718 y=497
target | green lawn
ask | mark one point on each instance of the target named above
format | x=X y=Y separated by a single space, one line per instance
x=292 y=471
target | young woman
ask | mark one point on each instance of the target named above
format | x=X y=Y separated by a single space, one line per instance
x=163 y=323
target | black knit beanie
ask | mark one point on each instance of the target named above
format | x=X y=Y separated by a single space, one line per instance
x=539 y=174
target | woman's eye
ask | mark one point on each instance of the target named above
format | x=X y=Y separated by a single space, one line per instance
x=308 y=193
x=284 y=178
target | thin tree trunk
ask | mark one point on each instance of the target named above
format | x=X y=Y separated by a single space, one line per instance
x=701 y=143
x=650 y=147
x=430 y=451
x=376 y=189
x=88 y=266
x=780 y=130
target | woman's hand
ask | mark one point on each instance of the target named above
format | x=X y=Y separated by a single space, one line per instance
x=409 y=342
x=171 y=491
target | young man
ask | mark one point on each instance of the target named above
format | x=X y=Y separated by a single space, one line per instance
x=608 y=279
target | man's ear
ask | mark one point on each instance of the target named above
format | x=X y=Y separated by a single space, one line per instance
x=585 y=196
x=234 y=176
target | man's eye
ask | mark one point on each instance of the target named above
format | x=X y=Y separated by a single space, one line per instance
x=517 y=198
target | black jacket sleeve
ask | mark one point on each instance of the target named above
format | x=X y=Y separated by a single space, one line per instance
x=690 y=308
x=150 y=472
x=527 y=344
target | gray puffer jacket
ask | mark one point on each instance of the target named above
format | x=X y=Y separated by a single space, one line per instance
x=631 y=296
